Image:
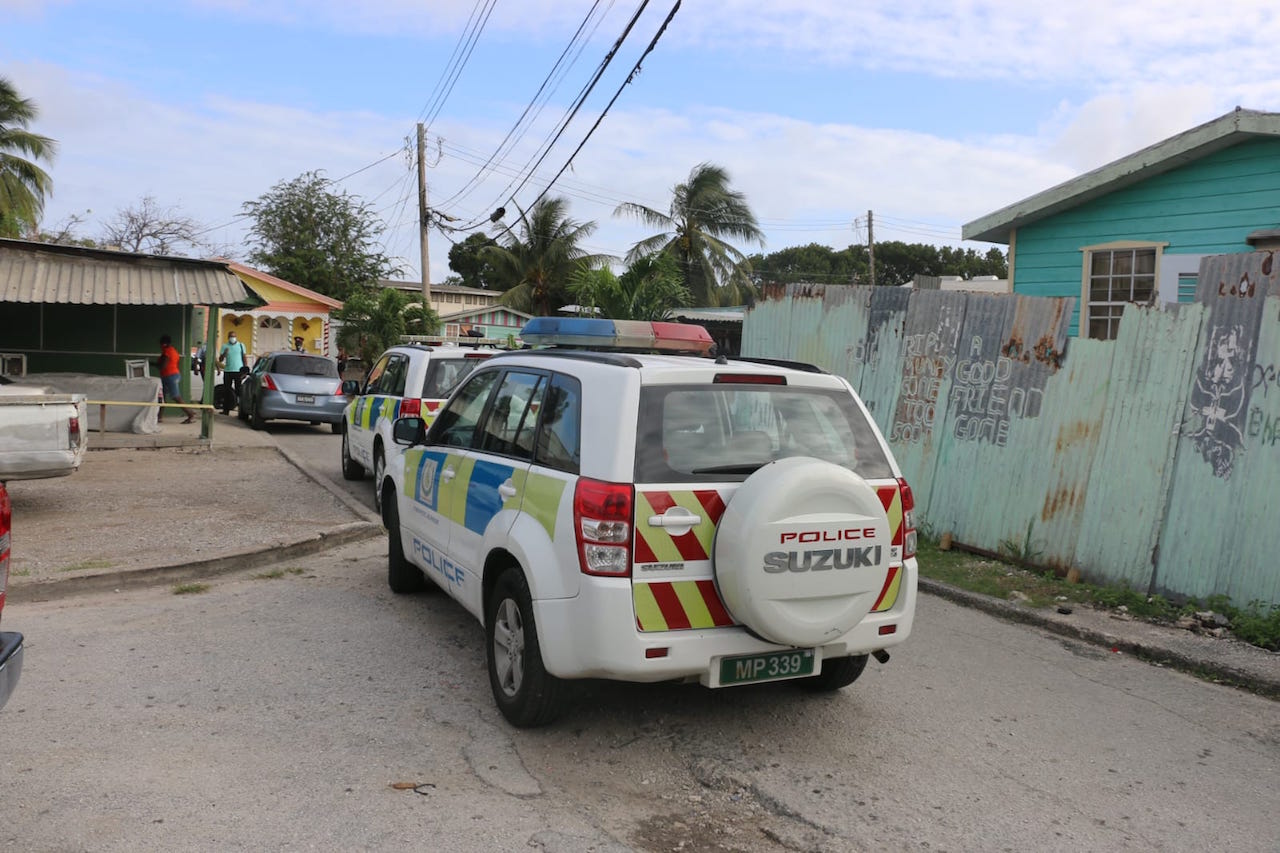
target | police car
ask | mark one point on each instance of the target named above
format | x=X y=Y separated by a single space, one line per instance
x=407 y=380
x=615 y=503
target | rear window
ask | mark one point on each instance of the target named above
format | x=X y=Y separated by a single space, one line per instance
x=301 y=365
x=705 y=433
x=444 y=374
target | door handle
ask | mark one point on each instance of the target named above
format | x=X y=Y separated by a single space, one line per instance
x=447 y=474
x=676 y=516
x=507 y=490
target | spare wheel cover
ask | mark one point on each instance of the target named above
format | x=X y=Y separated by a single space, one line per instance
x=801 y=551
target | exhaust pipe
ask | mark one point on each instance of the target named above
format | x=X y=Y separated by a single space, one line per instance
x=881 y=655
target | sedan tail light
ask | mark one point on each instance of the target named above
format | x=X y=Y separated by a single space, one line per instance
x=268 y=382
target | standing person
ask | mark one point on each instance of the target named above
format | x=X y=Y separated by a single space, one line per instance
x=169 y=376
x=234 y=362
x=297 y=345
x=197 y=365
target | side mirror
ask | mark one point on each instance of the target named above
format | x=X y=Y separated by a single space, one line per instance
x=409 y=431
x=350 y=388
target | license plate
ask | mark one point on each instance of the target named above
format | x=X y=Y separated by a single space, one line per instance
x=306 y=398
x=770 y=666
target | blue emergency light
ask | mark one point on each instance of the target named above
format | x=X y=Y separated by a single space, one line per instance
x=603 y=334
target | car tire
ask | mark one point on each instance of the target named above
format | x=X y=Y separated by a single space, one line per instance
x=242 y=414
x=335 y=428
x=402 y=576
x=351 y=469
x=379 y=471
x=255 y=418
x=836 y=673
x=526 y=694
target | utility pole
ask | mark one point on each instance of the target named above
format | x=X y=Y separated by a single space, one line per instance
x=422 y=219
x=871 y=248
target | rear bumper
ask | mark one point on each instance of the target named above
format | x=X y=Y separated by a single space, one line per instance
x=605 y=643
x=279 y=405
x=38 y=464
x=10 y=663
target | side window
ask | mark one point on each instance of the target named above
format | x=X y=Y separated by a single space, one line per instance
x=560 y=441
x=375 y=375
x=392 y=381
x=513 y=418
x=457 y=422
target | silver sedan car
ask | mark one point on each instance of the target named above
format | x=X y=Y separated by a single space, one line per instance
x=295 y=386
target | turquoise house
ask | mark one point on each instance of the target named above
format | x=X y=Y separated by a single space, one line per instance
x=1134 y=231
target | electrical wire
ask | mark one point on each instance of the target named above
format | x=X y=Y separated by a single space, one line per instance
x=457 y=60
x=508 y=142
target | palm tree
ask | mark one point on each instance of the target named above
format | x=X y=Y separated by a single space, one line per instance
x=704 y=213
x=23 y=184
x=650 y=289
x=541 y=260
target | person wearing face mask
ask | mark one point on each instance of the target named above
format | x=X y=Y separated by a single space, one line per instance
x=234 y=362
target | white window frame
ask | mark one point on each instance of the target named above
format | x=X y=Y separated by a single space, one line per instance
x=1086 y=266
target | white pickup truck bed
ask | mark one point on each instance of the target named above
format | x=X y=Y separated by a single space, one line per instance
x=41 y=434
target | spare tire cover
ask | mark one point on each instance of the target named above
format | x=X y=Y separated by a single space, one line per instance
x=802 y=551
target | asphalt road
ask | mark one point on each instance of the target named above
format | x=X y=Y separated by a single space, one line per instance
x=278 y=710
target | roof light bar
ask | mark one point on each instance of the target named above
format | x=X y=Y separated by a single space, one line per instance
x=604 y=334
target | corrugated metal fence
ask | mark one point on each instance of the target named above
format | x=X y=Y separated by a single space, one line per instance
x=1151 y=460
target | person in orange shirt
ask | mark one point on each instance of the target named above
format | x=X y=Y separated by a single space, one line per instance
x=169 y=378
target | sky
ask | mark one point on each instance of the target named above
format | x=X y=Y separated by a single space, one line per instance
x=926 y=113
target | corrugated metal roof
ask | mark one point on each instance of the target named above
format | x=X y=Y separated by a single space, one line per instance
x=46 y=273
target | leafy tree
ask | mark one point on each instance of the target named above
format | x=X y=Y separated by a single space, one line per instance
x=310 y=233
x=649 y=290
x=151 y=229
x=540 y=261
x=704 y=213
x=23 y=184
x=375 y=319
x=896 y=263
x=473 y=267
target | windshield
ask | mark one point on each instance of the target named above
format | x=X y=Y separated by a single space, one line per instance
x=726 y=432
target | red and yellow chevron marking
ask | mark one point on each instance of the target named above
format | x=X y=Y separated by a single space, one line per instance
x=656 y=545
x=891 y=499
x=678 y=606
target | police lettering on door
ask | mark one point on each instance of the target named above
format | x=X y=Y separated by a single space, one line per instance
x=450 y=571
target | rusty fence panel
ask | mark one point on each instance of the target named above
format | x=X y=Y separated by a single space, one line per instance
x=1219 y=531
x=1132 y=469
x=1149 y=461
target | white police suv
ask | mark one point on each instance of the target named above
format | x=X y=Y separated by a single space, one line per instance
x=410 y=380
x=618 y=504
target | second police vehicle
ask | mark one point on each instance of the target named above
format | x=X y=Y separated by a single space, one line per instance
x=618 y=504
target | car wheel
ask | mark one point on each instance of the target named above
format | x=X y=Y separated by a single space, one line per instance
x=402 y=576
x=351 y=470
x=255 y=418
x=379 y=470
x=526 y=694
x=335 y=428
x=836 y=673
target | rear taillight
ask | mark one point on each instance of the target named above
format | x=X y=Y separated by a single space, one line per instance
x=337 y=390
x=73 y=434
x=602 y=525
x=268 y=382
x=410 y=407
x=908 y=520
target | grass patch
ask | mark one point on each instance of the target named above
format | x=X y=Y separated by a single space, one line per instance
x=190 y=588
x=1257 y=624
x=87 y=564
x=275 y=574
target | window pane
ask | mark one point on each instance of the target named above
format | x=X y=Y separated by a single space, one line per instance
x=514 y=414
x=443 y=375
x=1099 y=289
x=456 y=424
x=1122 y=264
x=1143 y=288
x=1100 y=263
x=375 y=375
x=1144 y=262
x=559 y=443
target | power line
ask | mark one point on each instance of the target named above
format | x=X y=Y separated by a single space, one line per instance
x=457 y=60
x=508 y=143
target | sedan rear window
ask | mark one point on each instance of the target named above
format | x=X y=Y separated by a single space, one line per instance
x=710 y=433
x=301 y=365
